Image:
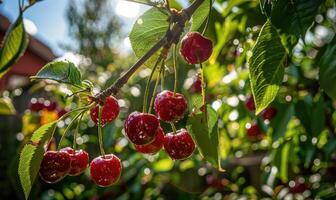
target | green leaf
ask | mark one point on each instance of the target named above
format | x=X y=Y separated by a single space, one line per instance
x=280 y=122
x=147 y=30
x=205 y=134
x=327 y=74
x=266 y=66
x=6 y=107
x=200 y=15
x=31 y=156
x=60 y=71
x=13 y=45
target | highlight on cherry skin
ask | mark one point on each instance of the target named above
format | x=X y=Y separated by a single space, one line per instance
x=195 y=48
x=55 y=166
x=79 y=160
x=170 y=107
x=105 y=170
x=141 y=128
x=110 y=111
x=179 y=145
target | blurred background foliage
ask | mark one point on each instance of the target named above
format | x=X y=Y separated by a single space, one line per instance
x=294 y=159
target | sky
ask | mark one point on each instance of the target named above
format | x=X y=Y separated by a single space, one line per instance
x=46 y=20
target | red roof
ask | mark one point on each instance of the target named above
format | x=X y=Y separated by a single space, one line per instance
x=36 y=56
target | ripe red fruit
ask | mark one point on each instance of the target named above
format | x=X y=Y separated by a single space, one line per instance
x=168 y=107
x=195 y=48
x=196 y=87
x=298 y=187
x=254 y=131
x=109 y=113
x=141 y=128
x=269 y=113
x=55 y=166
x=36 y=104
x=249 y=103
x=49 y=105
x=61 y=112
x=180 y=145
x=154 y=146
x=79 y=160
x=105 y=170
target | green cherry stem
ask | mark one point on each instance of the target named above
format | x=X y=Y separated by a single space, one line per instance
x=173 y=127
x=100 y=132
x=148 y=85
x=203 y=91
x=155 y=88
x=163 y=77
x=175 y=68
x=69 y=126
x=74 y=143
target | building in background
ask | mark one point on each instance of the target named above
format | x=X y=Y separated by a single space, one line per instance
x=36 y=56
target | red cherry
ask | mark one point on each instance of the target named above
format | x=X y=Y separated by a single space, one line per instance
x=36 y=104
x=79 y=160
x=105 y=170
x=61 y=112
x=298 y=188
x=55 y=166
x=269 y=113
x=179 y=145
x=196 y=87
x=49 y=105
x=249 y=103
x=109 y=113
x=168 y=107
x=195 y=48
x=141 y=128
x=154 y=146
x=254 y=131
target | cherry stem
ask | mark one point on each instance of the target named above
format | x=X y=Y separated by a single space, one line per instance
x=175 y=68
x=155 y=88
x=74 y=143
x=203 y=91
x=69 y=126
x=163 y=76
x=173 y=127
x=100 y=132
x=75 y=110
x=148 y=85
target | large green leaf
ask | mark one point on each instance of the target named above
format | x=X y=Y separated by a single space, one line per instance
x=205 y=133
x=6 y=107
x=13 y=46
x=31 y=156
x=266 y=66
x=327 y=75
x=200 y=15
x=147 y=30
x=60 y=71
x=293 y=18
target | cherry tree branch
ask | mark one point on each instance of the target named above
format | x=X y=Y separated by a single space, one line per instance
x=172 y=36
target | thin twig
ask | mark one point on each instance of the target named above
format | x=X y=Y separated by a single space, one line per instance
x=172 y=36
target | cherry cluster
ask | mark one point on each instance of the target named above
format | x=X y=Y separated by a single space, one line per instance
x=254 y=131
x=142 y=129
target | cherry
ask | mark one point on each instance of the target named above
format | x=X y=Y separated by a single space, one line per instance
x=196 y=87
x=141 y=128
x=298 y=187
x=105 y=170
x=109 y=113
x=49 y=105
x=269 y=113
x=168 y=107
x=154 y=146
x=55 y=166
x=179 y=145
x=79 y=160
x=249 y=103
x=254 y=131
x=61 y=112
x=36 y=104
x=195 y=48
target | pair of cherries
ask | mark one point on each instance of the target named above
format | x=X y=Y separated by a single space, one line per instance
x=253 y=131
x=144 y=131
x=104 y=170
